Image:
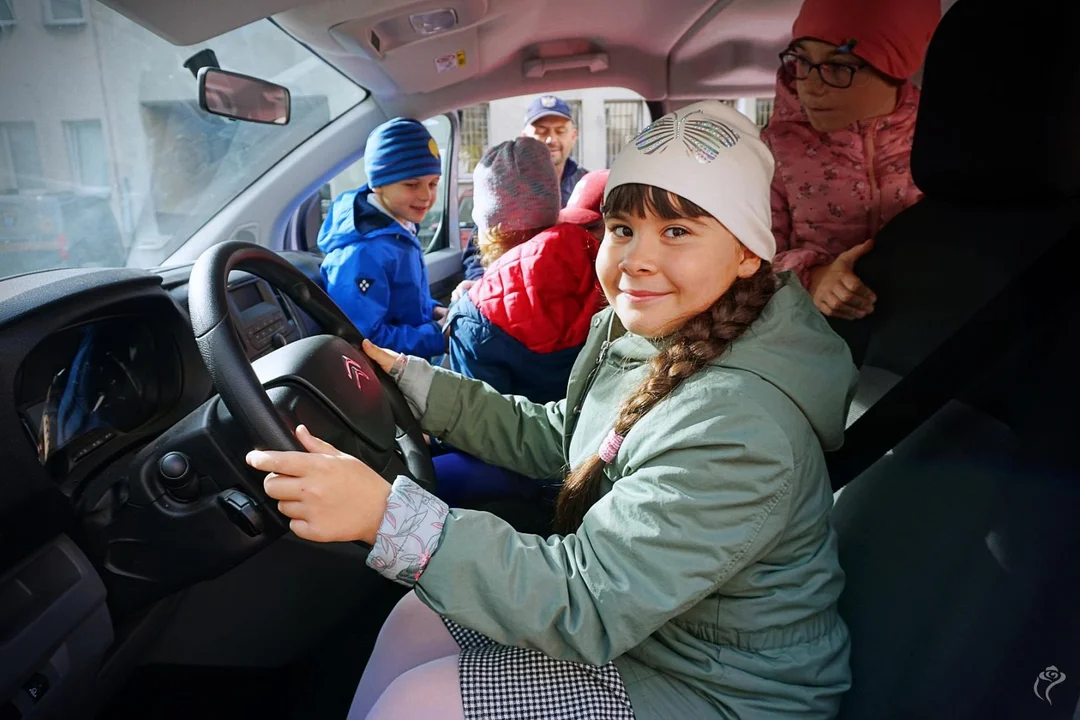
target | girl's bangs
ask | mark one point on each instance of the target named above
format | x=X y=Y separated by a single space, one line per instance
x=638 y=200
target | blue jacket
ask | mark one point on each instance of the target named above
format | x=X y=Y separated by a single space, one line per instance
x=480 y=349
x=470 y=259
x=374 y=270
x=571 y=173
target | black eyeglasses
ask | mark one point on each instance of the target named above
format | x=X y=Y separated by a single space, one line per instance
x=834 y=74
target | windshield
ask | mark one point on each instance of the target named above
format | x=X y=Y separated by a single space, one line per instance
x=106 y=158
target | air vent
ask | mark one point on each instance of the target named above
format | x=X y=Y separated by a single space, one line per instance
x=284 y=302
x=293 y=317
x=376 y=42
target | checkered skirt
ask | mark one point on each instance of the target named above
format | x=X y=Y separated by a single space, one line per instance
x=500 y=682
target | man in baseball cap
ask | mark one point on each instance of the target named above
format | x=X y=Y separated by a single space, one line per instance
x=550 y=121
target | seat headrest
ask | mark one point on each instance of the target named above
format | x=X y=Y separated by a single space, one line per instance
x=1000 y=108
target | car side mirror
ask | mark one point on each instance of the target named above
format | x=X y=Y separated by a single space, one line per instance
x=242 y=97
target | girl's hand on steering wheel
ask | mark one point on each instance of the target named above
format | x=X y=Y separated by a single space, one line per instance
x=386 y=360
x=330 y=496
x=383 y=358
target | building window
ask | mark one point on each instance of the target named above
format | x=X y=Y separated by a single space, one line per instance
x=474 y=136
x=86 y=151
x=575 y=114
x=624 y=120
x=763 y=111
x=7 y=13
x=20 y=160
x=65 y=12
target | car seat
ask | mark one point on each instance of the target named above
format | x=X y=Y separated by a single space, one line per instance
x=961 y=544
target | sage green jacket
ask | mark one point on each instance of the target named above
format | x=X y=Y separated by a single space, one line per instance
x=708 y=570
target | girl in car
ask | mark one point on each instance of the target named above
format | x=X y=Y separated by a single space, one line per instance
x=696 y=572
x=841 y=133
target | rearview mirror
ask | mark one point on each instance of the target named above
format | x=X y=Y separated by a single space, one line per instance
x=242 y=97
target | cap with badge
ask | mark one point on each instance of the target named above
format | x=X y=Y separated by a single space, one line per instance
x=547 y=106
x=710 y=154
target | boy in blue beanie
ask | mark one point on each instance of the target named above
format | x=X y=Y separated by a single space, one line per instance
x=374 y=266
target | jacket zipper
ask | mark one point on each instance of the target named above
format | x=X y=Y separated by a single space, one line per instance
x=875 y=192
x=589 y=383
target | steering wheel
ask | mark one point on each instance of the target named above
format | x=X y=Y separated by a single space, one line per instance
x=325 y=376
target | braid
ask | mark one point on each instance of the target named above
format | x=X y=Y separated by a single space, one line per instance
x=700 y=340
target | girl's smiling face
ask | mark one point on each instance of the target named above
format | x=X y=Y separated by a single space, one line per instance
x=663 y=260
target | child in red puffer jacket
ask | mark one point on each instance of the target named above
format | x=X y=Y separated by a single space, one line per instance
x=520 y=327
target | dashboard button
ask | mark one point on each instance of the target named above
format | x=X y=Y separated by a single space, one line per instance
x=177 y=476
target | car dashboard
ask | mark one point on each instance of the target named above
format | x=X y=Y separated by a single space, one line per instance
x=100 y=376
x=107 y=359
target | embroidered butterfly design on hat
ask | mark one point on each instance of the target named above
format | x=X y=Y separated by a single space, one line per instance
x=702 y=138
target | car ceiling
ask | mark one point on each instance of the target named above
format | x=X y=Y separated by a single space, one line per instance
x=672 y=50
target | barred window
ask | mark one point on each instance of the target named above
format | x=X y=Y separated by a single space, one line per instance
x=763 y=111
x=474 y=136
x=575 y=113
x=624 y=120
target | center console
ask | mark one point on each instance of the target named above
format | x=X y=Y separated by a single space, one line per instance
x=264 y=319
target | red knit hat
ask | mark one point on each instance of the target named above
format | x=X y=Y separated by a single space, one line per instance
x=891 y=35
x=583 y=208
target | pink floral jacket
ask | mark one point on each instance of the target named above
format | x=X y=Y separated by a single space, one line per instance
x=833 y=191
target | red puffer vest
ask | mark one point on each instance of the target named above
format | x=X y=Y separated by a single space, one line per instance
x=544 y=292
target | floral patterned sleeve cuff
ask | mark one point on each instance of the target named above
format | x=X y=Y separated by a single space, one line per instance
x=409 y=534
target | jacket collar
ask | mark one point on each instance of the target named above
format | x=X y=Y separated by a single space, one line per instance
x=376 y=202
x=371 y=218
x=569 y=169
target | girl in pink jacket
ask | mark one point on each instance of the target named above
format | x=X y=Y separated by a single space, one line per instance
x=841 y=133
